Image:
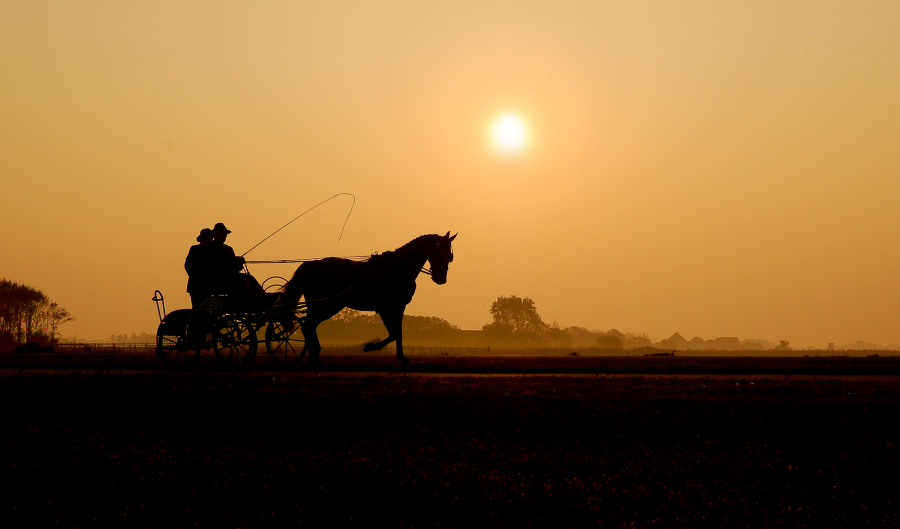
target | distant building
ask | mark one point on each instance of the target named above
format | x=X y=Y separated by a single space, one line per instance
x=723 y=343
x=697 y=343
x=676 y=341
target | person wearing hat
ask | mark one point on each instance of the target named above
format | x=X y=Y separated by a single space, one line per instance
x=226 y=261
x=227 y=266
x=198 y=266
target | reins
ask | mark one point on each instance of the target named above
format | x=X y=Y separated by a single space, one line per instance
x=288 y=261
x=349 y=257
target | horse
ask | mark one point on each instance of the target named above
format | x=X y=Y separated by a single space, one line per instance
x=384 y=283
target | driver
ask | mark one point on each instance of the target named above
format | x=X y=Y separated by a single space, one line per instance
x=226 y=267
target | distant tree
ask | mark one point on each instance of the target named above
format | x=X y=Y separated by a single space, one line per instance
x=611 y=339
x=133 y=338
x=427 y=324
x=558 y=337
x=581 y=337
x=430 y=331
x=28 y=315
x=633 y=340
x=352 y=327
x=755 y=345
x=517 y=322
x=783 y=345
x=349 y=315
x=517 y=314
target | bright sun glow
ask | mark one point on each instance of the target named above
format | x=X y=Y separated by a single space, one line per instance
x=509 y=134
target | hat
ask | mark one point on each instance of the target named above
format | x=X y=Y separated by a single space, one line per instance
x=219 y=228
x=205 y=233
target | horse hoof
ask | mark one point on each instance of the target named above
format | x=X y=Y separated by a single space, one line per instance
x=369 y=347
x=403 y=361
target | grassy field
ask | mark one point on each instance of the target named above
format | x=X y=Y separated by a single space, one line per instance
x=339 y=361
x=237 y=449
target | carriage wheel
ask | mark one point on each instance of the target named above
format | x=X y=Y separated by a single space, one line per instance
x=235 y=341
x=173 y=350
x=282 y=343
x=171 y=339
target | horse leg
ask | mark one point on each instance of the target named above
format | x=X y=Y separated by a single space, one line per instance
x=311 y=342
x=309 y=325
x=400 y=357
x=378 y=346
x=393 y=322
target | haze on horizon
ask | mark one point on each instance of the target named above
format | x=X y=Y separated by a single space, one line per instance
x=715 y=169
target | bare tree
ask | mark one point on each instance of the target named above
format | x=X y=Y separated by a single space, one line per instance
x=27 y=314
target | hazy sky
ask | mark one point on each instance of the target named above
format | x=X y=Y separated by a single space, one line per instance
x=711 y=168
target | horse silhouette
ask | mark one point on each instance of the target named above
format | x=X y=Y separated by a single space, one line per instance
x=384 y=283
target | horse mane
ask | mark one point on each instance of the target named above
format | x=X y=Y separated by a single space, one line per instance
x=401 y=252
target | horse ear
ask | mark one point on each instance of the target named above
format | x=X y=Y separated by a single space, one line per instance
x=447 y=235
x=454 y=235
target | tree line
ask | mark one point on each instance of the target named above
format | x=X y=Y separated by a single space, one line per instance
x=352 y=327
x=515 y=324
x=143 y=337
x=28 y=315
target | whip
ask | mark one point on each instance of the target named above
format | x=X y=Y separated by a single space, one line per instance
x=304 y=213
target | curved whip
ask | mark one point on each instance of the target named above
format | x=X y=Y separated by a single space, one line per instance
x=304 y=213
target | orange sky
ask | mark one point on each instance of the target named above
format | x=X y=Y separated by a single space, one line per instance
x=710 y=168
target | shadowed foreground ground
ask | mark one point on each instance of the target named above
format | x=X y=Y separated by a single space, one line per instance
x=411 y=451
x=384 y=361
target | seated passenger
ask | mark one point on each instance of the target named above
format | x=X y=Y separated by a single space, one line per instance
x=198 y=265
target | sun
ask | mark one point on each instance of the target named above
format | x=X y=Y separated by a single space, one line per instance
x=509 y=134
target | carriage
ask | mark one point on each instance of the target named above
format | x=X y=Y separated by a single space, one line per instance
x=231 y=328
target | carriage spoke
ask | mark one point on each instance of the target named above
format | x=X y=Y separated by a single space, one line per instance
x=282 y=343
x=173 y=350
x=235 y=341
x=172 y=344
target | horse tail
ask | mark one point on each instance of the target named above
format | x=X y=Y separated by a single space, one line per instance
x=292 y=291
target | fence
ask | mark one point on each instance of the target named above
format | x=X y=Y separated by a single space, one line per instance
x=415 y=349
x=105 y=346
x=346 y=349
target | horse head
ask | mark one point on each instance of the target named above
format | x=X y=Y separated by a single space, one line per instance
x=440 y=256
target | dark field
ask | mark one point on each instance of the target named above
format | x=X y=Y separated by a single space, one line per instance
x=508 y=363
x=340 y=447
